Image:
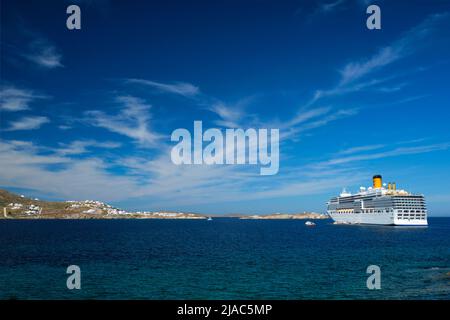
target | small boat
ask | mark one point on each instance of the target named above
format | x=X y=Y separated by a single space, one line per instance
x=310 y=224
x=209 y=218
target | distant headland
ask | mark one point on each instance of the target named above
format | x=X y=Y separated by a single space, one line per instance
x=303 y=215
x=14 y=206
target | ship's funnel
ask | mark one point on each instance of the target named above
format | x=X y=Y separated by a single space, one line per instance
x=394 y=186
x=389 y=186
x=377 y=182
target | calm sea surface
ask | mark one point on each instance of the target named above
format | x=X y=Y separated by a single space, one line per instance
x=222 y=259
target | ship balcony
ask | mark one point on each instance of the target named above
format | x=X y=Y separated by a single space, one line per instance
x=410 y=217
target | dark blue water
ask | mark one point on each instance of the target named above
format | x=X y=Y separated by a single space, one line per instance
x=222 y=259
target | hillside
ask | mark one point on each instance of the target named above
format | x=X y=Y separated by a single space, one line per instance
x=21 y=207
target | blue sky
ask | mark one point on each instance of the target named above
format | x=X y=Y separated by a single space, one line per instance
x=88 y=114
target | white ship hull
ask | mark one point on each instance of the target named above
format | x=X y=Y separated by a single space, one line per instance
x=383 y=218
x=378 y=205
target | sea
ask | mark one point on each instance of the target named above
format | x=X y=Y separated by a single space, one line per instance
x=226 y=258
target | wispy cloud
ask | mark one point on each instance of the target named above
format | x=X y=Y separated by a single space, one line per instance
x=355 y=87
x=323 y=8
x=180 y=88
x=316 y=119
x=354 y=74
x=330 y=6
x=387 y=154
x=387 y=55
x=231 y=115
x=132 y=121
x=408 y=99
x=355 y=70
x=81 y=146
x=44 y=54
x=17 y=99
x=361 y=149
x=306 y=115
x=27 y=123
x=28 y=165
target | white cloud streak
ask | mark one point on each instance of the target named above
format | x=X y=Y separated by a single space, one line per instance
x=317 y=118
x=44 y=54
x=386 y=154
x=81 y=147
x=27 y=123
x=133 y=121
x=353 y=73
x=404 y=46
x=361 y=149
x=17 y=99
x=179 y=88
x=331 y=6
x=231 y=115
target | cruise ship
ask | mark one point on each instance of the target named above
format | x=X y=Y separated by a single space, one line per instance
x=379 y=204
